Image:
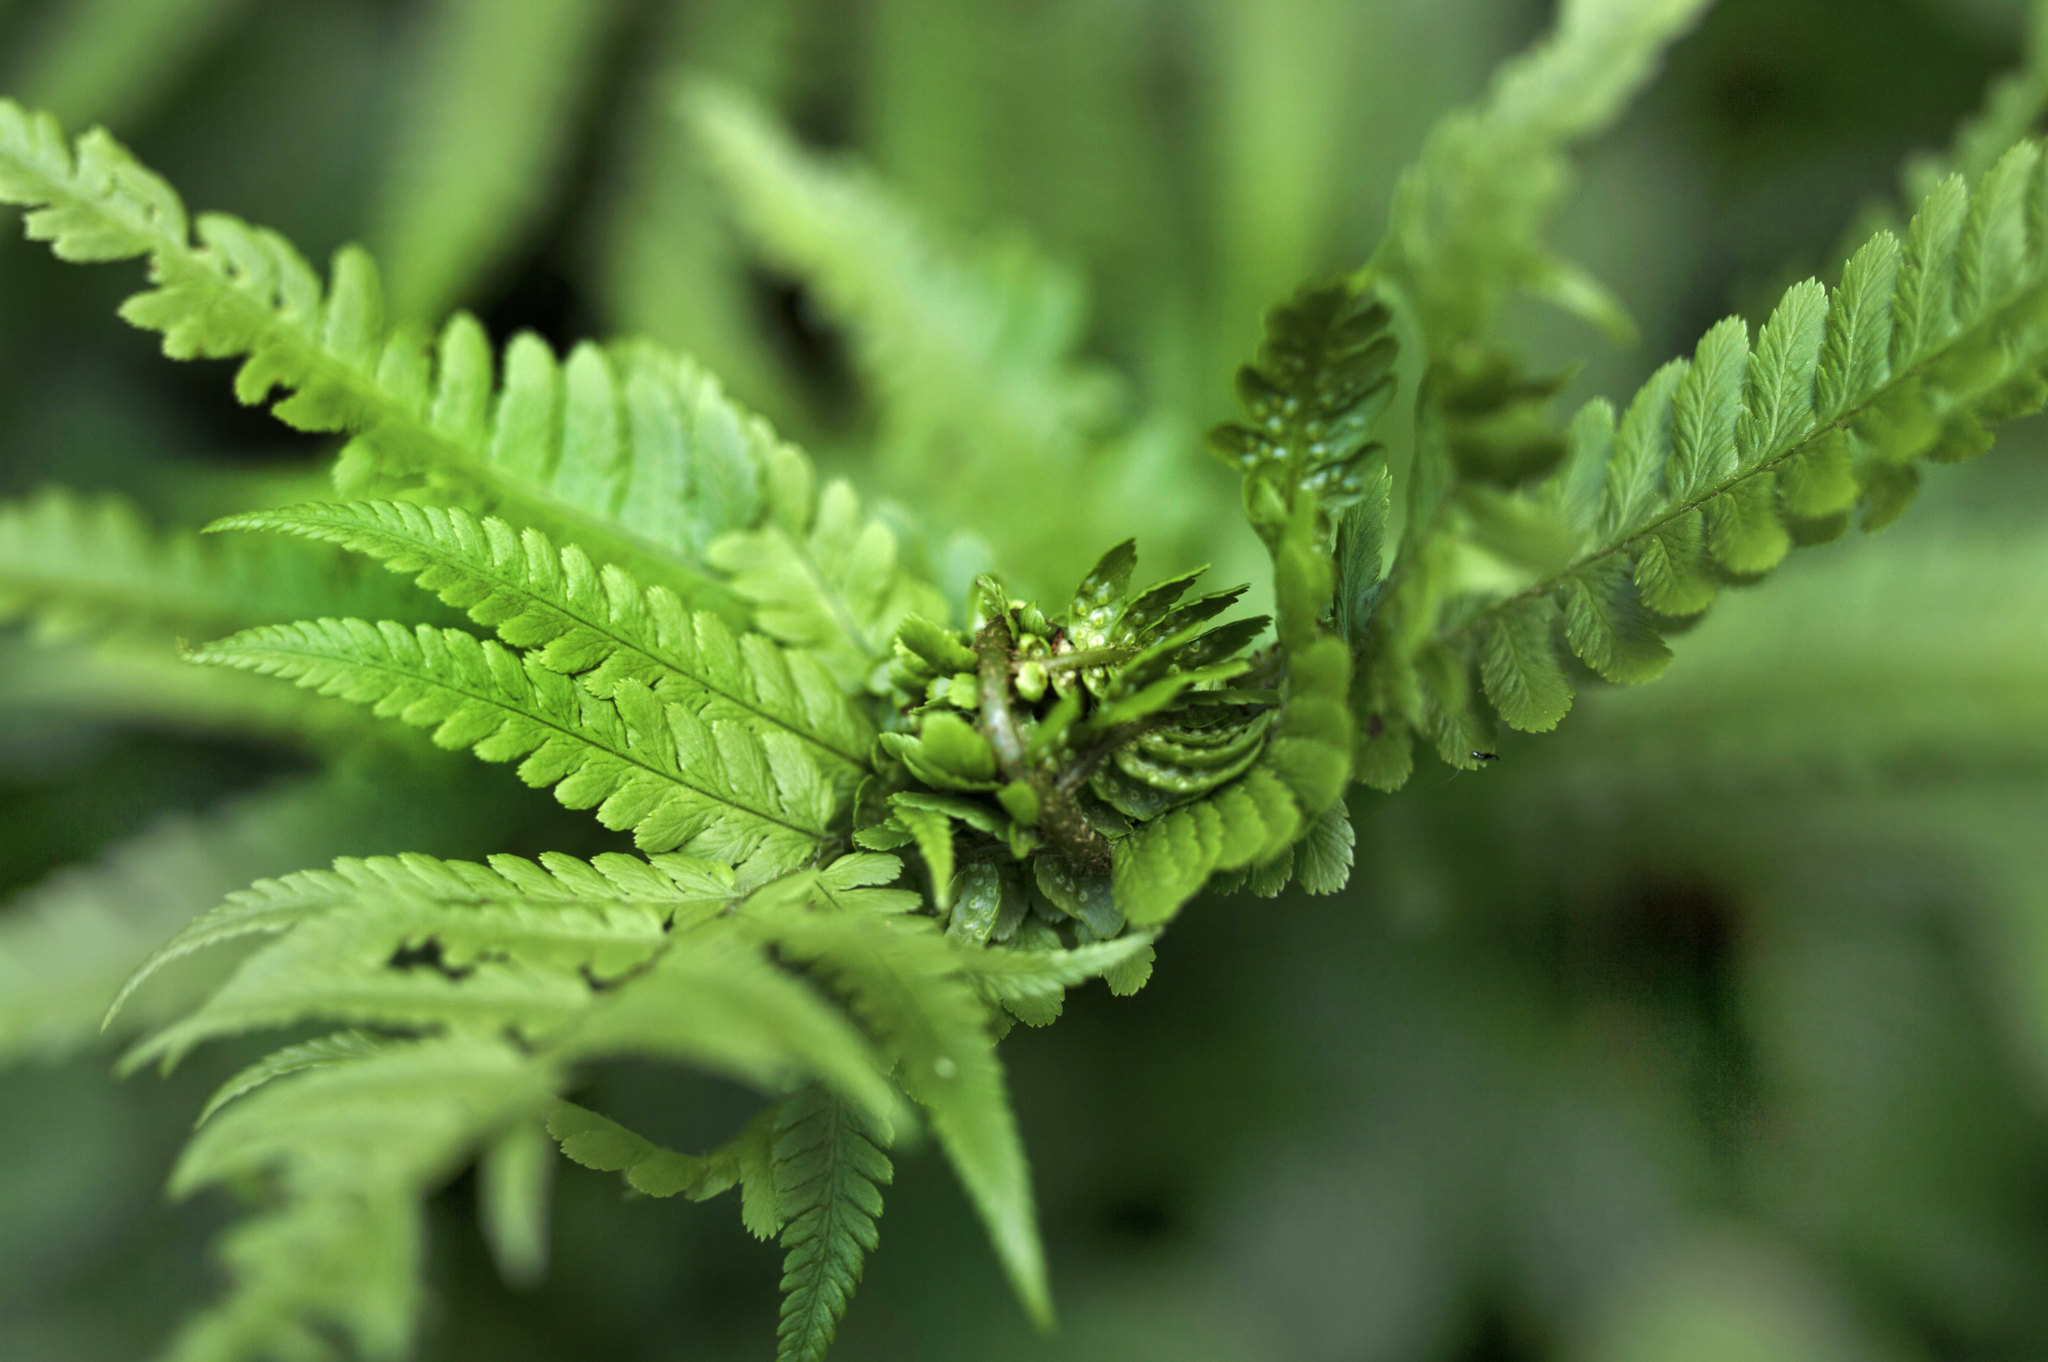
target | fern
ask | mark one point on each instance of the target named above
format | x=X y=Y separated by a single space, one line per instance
x=1722 y=463
x=827 y=1165
x=634 y=454
x=1464 y=231
x=675 y=780
x=346 y=1149
x=901 y=977
x=605 y=915
x=579 y=620
x=821 y=576
x=747 y=1161
x=874 y=832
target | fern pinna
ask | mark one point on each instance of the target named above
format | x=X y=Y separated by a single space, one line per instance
x=872 y=832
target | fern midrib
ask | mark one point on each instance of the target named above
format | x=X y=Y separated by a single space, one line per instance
x=573 y=734
x=2025 y=297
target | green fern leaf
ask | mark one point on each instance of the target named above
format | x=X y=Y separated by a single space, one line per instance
x=678 y=781
x=902 y=978
x=582 y=620
x=605 y=915
x=828 y=1160
x=1323 y=377
x=1165 y=862
x=1704 y=410
x=634 y=454
x=823 y=577
x=1033 y=983
x=345 y=970
x=338 y=1048
x=1723 y=463
x=746 y=1161
x=1464 y=231
x=351 y=1148
x=1779 y=402
x=714 y=1000
x=1519 y=666
x=515 y=1176
x=1322 y=858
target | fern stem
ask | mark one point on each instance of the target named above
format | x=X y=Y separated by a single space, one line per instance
x=1059 y=817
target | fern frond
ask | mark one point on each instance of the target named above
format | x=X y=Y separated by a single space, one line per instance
x=746 y=1161
x=350 y=1149
x=1032 y=984
x=318 y=1053
x=490 y=106
x=92 y=565
x=677 y=781
x=582 y=620
x=970 y=352
x=823 y=577
x=903 y=979
x=605 y=915
x=1885 y=667
x=1722 y=463
x=1315 y=489
x=634 y=454
x=353 y=970
x=1464 y=232
x=828 y=1160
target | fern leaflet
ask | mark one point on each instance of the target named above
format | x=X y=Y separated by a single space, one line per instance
x=902 y=979
x=676 y=780
x=582 y=620
x=746 y=1161
x=828 y=1161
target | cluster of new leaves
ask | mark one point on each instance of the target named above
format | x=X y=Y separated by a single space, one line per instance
x=1038 y=746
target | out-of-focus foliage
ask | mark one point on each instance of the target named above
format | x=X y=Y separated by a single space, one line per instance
x=1715 y=1026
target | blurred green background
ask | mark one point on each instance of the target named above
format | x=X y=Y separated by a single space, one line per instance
x=1713 y=1027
